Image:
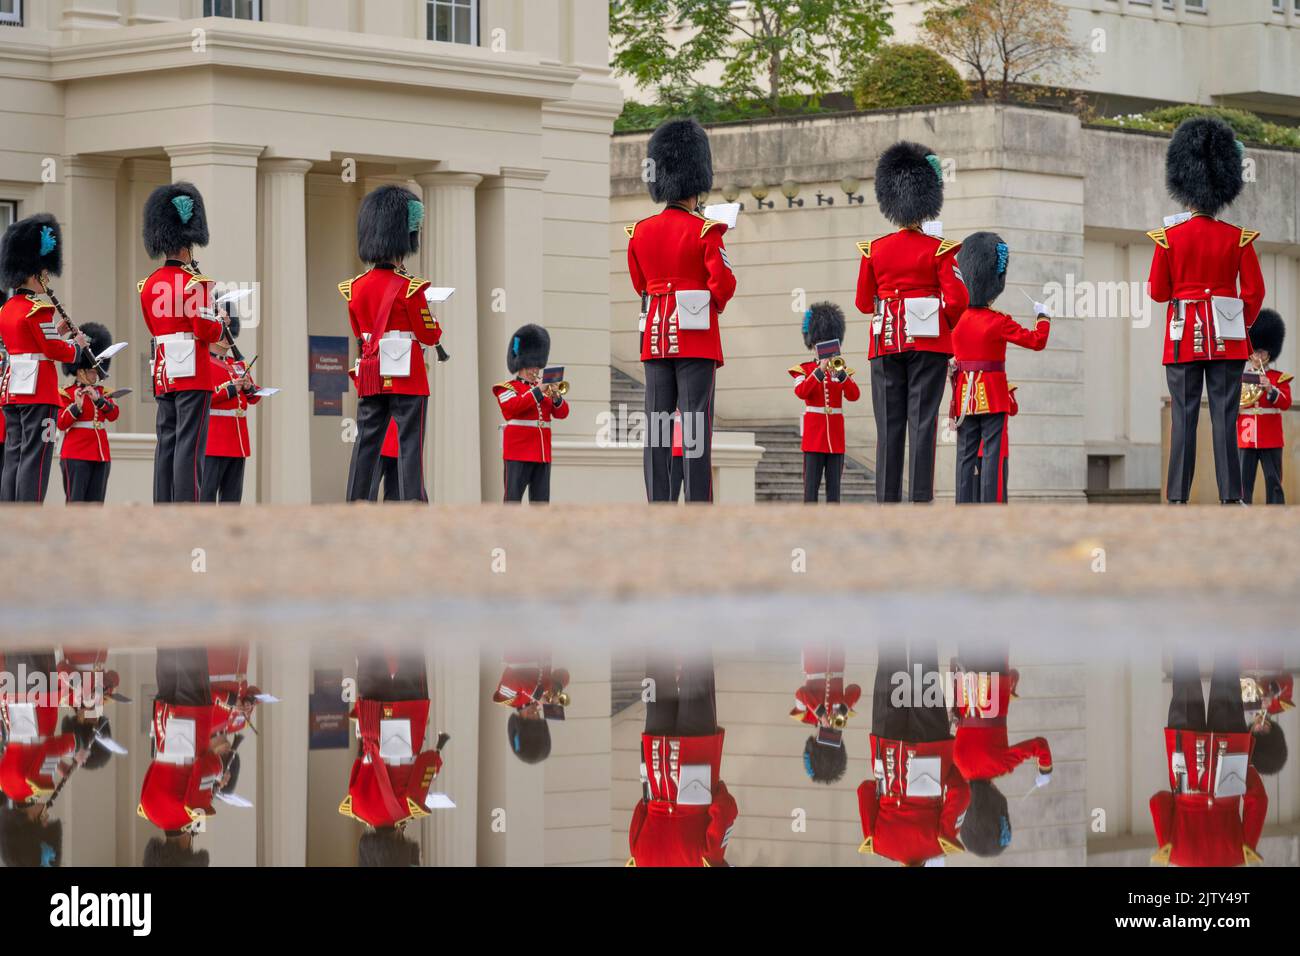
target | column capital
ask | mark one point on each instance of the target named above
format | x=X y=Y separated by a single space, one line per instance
x=92 y=165
x=439 y=177
x=524 y=174
x=285 y=166
x=208 y=154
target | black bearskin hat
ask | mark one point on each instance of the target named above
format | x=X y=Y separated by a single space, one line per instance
x=100 y=338
x=1268 y=333
x=31 y=246
x=1269 y=753
x=159 y=852
x=1203 y=165
x=682 y=163
x=84 y=733
x=530 y=740
x=387 y=847
x=174 y=219
x=388 y=227
x=822 y=322
x=824 y=763
x=983 y=260
x=29 y=843
x=986 y=828
x=529 y=347
x=909 y=184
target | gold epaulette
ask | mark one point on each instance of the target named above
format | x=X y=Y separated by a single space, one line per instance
x=345 y=807
x=414 y=284
x=345 y=289
x=865 y=248
x=139 y=286
x=1247 y=237
x=1251 y=856
x=949 y=847
x=1159 y=238
x=1161 y=856
x=631 y=861
x=197 y=278
x=796 y=370
x=866 y=846
x=508 y=384
x=630 y=229
x=709 y=224
x=414 y=809
x=139 y=811
x=39 y=302
x=1284 y=377
x=945 y=245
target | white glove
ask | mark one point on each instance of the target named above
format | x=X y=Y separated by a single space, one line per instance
x=937 y=861
x=1040 y=309
x=1042 y=780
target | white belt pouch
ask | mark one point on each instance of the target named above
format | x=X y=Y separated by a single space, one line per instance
x=395 y=357
x=922 y=317
x=923 y=777
x=1229 y=317
x=22 y=376
x=180 y=357
x=693 y=309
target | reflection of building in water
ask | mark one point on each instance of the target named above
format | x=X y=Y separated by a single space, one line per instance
x=786 y=819
x=1128 y=712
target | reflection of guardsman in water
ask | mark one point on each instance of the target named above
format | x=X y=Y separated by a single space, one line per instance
x=911 y=806
x=1213 y=812
x=194 y=758
x=535 y=691
x=984 y=687
x=393 y=772
x=824 y=702
x=685 y=815
x=40 y=755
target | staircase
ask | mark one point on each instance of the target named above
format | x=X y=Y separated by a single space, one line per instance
x=779 y=476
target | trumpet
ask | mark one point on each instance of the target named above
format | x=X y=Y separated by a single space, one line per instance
x=557 y=697
x=562 y=388
x=1252 y=392
x=839 y=366
x=839 y=721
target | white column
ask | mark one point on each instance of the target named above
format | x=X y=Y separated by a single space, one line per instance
x=281 y=798
x=449 y=259
x=450 y=839
x=511 y=793
x=89 y=285
x=285 y=440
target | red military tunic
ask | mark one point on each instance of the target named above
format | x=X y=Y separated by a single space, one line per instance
x=909 y=264
x=687 y=818
x=84 y=425
x=228 y=681
x=408 y=318
x=528 y=414
x=980 y=349
x=388 y=788
x=823 y=416
x=177 y=305
x=1259 y=424
x=1196 y=825
x=981 y=750
x=228 y=424
x=679 y=251
x=29 y=766
x=910 y=810
x=1194 y=260
x=94 y=681
x=525 y=682
x=823 y=693
x=28 y=329
x=180 y=781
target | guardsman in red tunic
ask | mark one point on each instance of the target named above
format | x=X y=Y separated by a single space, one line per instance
x=981 y=402
x=4 y=398
x=824 y=390
x=33 y=336
x=680 y=268
x=528 y=405
x=1208 y=272
x=233 y=393
x=1214 y=810
x=826 y=703
x=685 y=814
x=911 y=806
x=392 y=323
x=86 y=411
x=1265 y=395
x=1267 y=692
x=393 y=772
x=179 y=310
x=908 y=284
x=535 y=693
x=984 y=686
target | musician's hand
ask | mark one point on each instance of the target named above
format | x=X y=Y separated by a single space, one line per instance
x=80 y=339
x=64 y=327
x=81 y=757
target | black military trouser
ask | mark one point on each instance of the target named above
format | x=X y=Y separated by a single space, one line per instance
x=531 y=476
x=981 y=479
x=684 y=700
x=1270 y=459
x=182 y=428
x=1222 y=379
x=912 y=718
x=1187 y=711
x=386 y=479
x=29 y=452
x=402 y=675
x=182 y=677
x=223 y=479
x=815 y=465
x=906 y=392
x=687 y=384
x=676 y=474
x=85 y=482
x=373 y=416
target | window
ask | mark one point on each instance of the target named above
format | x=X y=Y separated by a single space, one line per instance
x=453 y=21
x=236 y=9
x=1195 y=6
x=8 y=213
x=11 y=13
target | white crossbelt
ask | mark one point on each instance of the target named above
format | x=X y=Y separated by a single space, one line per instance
x=398 y=335
x=1260 y=411
x=228 y=413
x=529 y=423
x=814 y=410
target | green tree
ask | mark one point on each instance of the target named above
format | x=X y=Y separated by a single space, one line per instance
x=904 y=74
x=768 y=49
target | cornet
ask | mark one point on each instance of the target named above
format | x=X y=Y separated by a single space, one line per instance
x=839 y=721
x=1252 y=392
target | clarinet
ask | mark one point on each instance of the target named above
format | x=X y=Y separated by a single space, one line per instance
x=63 y=314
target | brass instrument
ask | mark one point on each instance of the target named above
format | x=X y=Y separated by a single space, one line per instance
x=839 y=721
x=1253 y=392
x=837 y=364
x=556 y=697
